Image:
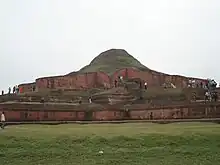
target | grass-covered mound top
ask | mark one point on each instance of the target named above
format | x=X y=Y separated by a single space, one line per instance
x=112 y=60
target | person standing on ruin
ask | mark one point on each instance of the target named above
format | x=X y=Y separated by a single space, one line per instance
x=121 y=78
x=110 y=101
x=17 y=89
x=42 y=100
x=90 y=100
x=151 y=116
x=80 y=100
x=207 y=96
x=3 y=120
x=2 y=92
x=14 y=89
x=9 y=90
x=34 y=88
x=145 y=85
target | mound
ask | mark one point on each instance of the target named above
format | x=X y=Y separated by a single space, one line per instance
x=112 y=60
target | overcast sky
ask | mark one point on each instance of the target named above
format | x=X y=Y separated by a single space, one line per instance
x=52 y=37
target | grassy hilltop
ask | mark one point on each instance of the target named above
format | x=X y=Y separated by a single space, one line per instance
x=112 y=60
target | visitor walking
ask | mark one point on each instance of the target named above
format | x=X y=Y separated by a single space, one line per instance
x=3 y=120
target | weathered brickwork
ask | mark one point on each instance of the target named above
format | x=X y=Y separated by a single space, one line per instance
x=26 y=87
x=57 y=113
x=153 y=78
x=100 y=79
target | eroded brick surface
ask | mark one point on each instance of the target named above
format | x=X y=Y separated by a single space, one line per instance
x=100 y=79
x=186 y=112
x=27 y=87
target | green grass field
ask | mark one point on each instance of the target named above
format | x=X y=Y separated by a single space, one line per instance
x=124 y=144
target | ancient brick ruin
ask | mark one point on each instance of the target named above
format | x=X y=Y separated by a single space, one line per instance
x=67 y=97
x=99 y=79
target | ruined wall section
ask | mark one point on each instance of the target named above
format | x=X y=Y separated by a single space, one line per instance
x=153 y=78
x=46 y=82
x=77 y=81
x=101 y=79
x=26 y=112
x=27 y=87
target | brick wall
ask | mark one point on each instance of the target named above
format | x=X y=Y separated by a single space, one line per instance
x=57 y=113
x=26 y=87
x=100 y=79
x=103 y=80
x=153 y=78
x=77 y=81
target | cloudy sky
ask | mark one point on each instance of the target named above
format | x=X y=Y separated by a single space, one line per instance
x=52 y=37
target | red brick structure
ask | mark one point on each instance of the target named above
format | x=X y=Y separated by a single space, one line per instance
x=153 y=78
x=101 y=79
x=41 y=112
x=26 y=87
x=39 y=107
x=76 y=81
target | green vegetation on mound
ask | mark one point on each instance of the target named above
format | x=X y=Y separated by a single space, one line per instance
x=150 y=144
x=112 y=60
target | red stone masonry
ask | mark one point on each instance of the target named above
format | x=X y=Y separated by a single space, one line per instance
x=23 y=112
x=101 y=79
x=28 y=87
x=153 y=78
x=76 y=81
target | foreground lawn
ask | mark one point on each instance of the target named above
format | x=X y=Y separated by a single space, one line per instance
x=122 y=144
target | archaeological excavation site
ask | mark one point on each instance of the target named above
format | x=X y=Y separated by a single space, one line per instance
x=113 y=87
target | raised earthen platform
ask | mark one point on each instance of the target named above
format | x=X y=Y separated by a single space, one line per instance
x=20 y=112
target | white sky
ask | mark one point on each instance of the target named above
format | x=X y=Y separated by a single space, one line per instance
x=52 y=37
